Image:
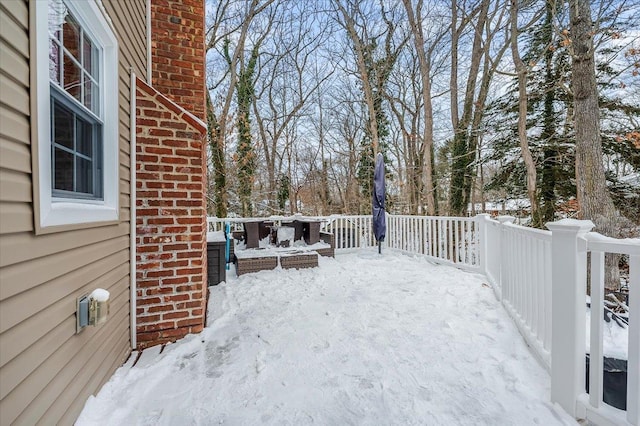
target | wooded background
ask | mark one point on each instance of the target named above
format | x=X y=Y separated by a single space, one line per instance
x=469 y=101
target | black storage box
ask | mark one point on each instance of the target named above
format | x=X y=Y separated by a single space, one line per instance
x=614 y=381
x=216 y=263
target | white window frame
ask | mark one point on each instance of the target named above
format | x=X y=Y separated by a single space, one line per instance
x=54 y=211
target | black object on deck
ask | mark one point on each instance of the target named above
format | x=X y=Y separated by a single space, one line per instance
x=614 y=382
x=216 y=264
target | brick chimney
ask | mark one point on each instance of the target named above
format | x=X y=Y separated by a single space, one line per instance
x=178 y=52
x=171 y=169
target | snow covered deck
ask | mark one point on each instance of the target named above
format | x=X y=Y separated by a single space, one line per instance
x=364 y=339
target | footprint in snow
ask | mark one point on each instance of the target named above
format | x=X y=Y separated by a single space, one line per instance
x=260 y=361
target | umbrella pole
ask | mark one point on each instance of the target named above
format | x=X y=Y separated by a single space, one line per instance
x=379 y=247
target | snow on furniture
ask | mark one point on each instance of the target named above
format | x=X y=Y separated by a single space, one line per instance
x=299 y=259
x=327 y=238
x=248 y=261
x=285 y=236
x=254 y=260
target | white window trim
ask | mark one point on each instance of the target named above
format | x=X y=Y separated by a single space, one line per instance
x=55 y=211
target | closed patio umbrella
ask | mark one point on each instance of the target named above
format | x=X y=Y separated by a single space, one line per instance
x=379 y=220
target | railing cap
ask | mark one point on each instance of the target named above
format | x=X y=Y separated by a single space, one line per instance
x=506 y=219
x=571 y=225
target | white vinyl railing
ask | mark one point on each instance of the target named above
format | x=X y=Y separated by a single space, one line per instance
x=518 y=266
x=540 y=278
x=591 y=405
x=449 y=240
x=350 y=232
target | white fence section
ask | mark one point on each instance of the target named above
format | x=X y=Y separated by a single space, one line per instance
x=449 y=240
x=217 y=224
x=539 y=276
x=350 y=232
x=591 y=405
x=518 y=266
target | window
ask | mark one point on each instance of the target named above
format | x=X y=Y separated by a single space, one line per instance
x=76 y=125
x=77 y=114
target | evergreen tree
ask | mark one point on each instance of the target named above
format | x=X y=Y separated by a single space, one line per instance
x=216 y=144
x=550 y=125
x=245 y=154
x=378 y=71
x=284 y=185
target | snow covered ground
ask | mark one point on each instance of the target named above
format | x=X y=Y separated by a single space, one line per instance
x=363 y=339
x=615 y=339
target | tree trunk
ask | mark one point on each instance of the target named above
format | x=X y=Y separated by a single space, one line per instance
x=462 y=156
x=358 y=45
x=549 y=165
x=425 y=70
x=594 y=198
x=521 y=71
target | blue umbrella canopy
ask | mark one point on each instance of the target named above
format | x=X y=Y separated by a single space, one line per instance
x=379 y=220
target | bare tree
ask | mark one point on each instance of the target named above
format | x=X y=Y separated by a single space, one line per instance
x=359 y=45
x=486 y=21
x=424 y=60
x=521 y=73
x=286 y=84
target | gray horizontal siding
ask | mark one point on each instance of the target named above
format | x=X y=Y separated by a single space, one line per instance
x=46 y=370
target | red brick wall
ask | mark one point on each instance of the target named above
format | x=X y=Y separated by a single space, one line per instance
x=171 y=220
x=178 y=52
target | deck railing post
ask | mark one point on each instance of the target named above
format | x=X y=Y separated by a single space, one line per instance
x=483 y=252
x=633 y=373
x=568 y=311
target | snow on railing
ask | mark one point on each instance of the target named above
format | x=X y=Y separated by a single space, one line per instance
x=217 y=224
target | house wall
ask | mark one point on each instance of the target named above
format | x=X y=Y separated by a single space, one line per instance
x=46 y=370
x=171 y=220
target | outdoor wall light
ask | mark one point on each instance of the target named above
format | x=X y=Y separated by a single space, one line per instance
x=92 y=309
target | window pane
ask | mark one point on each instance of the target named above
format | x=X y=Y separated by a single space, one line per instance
x=63 y=126
x=63 y=170
x=84 y=138
x=91 y=95
x=71 y=36
x=54 y=61
x=84 y=176
x=87 y=60
x=72 y=76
